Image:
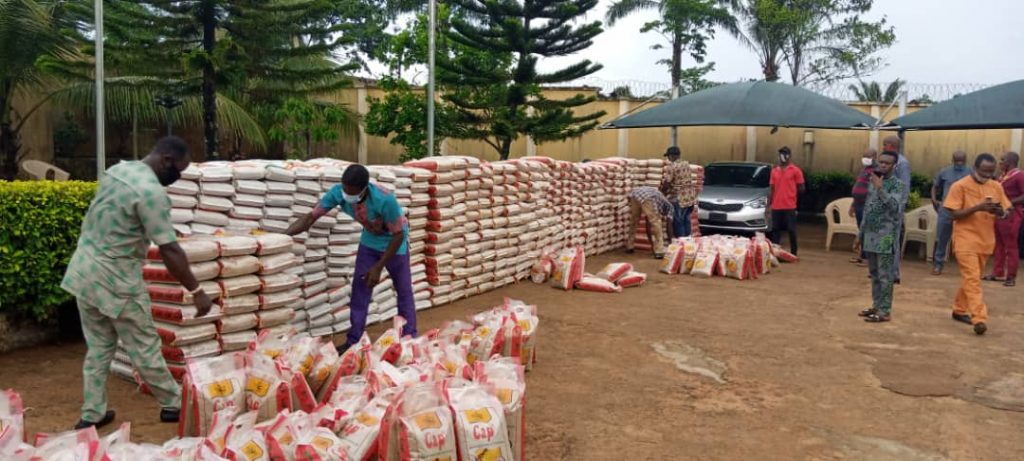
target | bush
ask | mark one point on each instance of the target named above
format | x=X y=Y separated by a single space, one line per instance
x=39 y=226
x=921 y=184
x=823 y=188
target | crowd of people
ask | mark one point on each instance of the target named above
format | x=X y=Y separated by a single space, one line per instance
x=979 y=212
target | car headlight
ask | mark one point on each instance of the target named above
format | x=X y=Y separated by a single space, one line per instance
x=759 y=203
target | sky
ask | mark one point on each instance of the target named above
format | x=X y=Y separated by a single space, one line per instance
x=938 y=41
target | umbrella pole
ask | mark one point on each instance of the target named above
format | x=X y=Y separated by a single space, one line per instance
x=675 y=130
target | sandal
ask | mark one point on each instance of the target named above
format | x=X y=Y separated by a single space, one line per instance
x=868 y=312
x=877 y=318
x=1010 y=283
x=993 y=278
x=856 y=260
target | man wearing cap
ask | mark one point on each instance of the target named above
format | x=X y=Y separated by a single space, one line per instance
x=678 y=188
x=787 y=181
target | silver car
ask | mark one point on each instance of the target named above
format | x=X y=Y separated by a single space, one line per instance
x=735 y=197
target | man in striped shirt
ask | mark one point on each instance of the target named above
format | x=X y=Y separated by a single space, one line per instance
x=657 y=210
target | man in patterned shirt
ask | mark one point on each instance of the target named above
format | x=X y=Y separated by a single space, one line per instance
x=678 y=187
x=384 y=243
x=657 y=209
x=130 y=210
x=879 y=235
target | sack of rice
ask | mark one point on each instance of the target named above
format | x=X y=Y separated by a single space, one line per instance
x=238 y=286
x=359 y=436
x=277 y=263
x=504 y=379
x=614 y=271
x=705 y=262
x=178 y=294
x=568 y=268
x=598 y=284
x=418 y=426
x=632 y=279
x=266 y=391
x=481 y=430
x=177 y=335
x=210 y=385
x=673 y=260
x=158 y=272
x=12 y=415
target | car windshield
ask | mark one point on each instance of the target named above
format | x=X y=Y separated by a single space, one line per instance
x=752 y=176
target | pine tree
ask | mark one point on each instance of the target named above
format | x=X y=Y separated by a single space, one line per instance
x=491 y=76
x=260 y=52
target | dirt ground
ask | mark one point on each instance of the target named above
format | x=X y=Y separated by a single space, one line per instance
x=713 y=369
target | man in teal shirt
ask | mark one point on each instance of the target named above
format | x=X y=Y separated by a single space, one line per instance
x=384 y=243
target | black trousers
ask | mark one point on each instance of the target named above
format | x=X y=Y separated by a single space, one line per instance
x=784 y=220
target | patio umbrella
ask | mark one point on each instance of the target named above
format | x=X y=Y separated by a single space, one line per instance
x=1000 y=106
x=750 y=104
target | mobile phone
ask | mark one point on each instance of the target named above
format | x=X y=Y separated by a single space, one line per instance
x=878 y=173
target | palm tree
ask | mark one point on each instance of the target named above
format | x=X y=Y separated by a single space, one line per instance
x=765 y=33
x=687 y=24
x=872 y=91
x=29 y=30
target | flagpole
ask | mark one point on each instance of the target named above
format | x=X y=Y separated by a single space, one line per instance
x=101 y=129
x=432 y=13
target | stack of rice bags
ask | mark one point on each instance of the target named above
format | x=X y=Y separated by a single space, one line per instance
x=250 y=296
x=384 y=302
x=184 y=195
x=446 y=224
x=417 y=210
x=511 y=216
x=698 y=182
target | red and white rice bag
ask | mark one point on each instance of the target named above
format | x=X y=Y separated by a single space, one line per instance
x=236 y=245
x=158 y=272
x=632 y=279
x=235 y=266
x=183 y=314
x=673 y=260
x=268 y=244
x=598 y=284
x=614 y=271
x=12 y=414
x=542 y=269
x=176 y=335
x=211 y=385
x=359 y=436
x=196 y=250
x=418 y=426
x=77 y=445
x=481 y=431
x=178 y=294
x=238 y=286
x=568 y=268
x=276 y=263
x=690 y=248
x=266 y=389
x=706 y=261
x=504 y=379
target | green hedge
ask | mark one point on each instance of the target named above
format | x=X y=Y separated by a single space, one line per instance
x=824 y=187
x=39 y=226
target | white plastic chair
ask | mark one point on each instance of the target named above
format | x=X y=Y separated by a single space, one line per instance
x=839 y=221
x=921 y=225
x=41 y=170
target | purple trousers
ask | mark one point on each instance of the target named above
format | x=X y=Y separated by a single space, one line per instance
x=401 y=277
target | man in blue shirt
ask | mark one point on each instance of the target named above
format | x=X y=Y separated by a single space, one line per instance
x=940 y=189
x=384 y=243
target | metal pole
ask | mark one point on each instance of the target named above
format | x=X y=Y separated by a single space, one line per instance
x=101 y=129
x=432 y=13
x=675 y=131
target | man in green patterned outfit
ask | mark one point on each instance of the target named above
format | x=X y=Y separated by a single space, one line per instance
x=879 y=235
x=131 y=209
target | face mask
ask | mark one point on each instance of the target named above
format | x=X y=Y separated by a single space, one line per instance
x=980 y=179
x=169 y=176
x=352 y=199
x=784 y=158
x=867 y=161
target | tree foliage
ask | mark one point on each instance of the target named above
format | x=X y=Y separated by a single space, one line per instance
x=872 y=91
x=687 y=25
x=30 y=32
x=818 y=41
x=490 y=75
x=301 y=122
x=255 y=53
